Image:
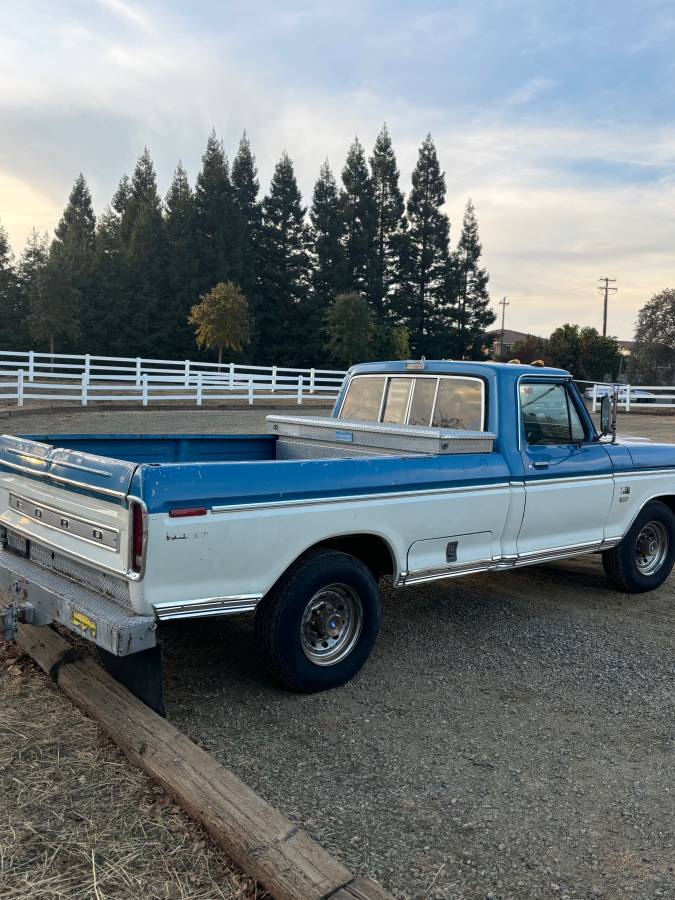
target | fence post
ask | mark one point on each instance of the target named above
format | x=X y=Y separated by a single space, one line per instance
x=627 y=398
x=138 y=371
x=274 y=378
x=231 y=376
x=187 y=373
x=199 y=388
x=300 y=380
x=311 y=381
x=250 y=390
x=87 y=365
x=85 y=385
x=31 y=365
x=19 y=387
x=595 y=398
x=145 y=389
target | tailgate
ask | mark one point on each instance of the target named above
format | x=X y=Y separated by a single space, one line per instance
x=67 y=501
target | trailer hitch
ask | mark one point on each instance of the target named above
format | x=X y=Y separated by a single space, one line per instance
x=12 y=615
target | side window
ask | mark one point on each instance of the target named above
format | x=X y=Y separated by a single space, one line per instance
x=363 y=399
x=459 y=404
x=548 y=415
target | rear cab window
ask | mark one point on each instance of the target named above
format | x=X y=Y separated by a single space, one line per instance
x=441 y=401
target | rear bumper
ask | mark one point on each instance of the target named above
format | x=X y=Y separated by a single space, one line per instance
x=54 y=598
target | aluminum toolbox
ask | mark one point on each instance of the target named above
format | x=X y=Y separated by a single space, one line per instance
x=364 y=438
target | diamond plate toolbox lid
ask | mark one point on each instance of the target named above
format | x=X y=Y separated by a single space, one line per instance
x=413 y=439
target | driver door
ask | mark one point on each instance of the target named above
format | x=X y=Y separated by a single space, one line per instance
x=569 y=480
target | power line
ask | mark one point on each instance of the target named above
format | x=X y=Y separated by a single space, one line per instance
x=605 y=289
x=503 y=303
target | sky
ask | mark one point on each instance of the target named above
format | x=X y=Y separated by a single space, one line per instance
x=556 y=118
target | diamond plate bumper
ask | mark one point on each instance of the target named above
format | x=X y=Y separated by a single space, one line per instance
x=57 y=599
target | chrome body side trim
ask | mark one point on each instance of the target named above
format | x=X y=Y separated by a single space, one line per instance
x=352 y=498
x=504 y=562
x=206 y=606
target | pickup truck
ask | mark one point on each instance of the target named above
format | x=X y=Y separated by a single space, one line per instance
x=425 y=470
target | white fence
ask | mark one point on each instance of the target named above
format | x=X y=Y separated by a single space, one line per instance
x=25 y=377
x=631 y=396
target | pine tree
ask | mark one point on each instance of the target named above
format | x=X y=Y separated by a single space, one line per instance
x=349 y=323
x=181 y=266
x=72 y=249
x=389 y=209
x=214 y=217
x=146 y=262
x=13 y=330
x=473 y=312
x=78 y=222
x=327 y=257
x=360 y=217
x=284 y=273
x=247 y=219
x=55 y=303
x=428 y=301
x=108 y=321
x=30 y=275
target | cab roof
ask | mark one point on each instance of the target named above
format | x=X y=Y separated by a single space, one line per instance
x=454 y=367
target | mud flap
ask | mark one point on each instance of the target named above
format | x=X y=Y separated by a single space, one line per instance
x=142 y=673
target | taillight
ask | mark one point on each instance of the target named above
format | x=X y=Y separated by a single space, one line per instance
x=137 y=537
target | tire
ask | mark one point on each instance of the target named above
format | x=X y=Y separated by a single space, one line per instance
x=318 y=625
x=644 y=558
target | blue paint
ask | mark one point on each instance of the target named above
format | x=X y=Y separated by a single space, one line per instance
x=651 y=456
x=220 y=484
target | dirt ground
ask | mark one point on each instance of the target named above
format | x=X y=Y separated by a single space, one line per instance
x=512 y=736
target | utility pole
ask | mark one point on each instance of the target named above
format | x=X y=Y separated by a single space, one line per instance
x=503 y=303
x=605 y=289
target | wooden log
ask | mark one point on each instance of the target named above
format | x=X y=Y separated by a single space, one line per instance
x=256 y=836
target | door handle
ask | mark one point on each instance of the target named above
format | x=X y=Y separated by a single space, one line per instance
x=540 y=464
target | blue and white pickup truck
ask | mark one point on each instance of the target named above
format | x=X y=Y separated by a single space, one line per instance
x=425 y=470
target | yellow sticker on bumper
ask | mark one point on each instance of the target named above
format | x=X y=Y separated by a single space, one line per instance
x=86 y=625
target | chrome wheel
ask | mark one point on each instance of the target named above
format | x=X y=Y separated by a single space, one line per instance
x=331 y=624
x=651 y=548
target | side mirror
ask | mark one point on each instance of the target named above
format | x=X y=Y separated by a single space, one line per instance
x=605 y=415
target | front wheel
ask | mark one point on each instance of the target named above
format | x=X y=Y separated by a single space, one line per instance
x=318 y=626
x=644 y=558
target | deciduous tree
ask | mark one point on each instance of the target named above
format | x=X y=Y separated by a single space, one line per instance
x=654 y=354
x=221 y=319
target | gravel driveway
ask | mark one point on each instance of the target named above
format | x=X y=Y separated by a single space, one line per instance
x=511 y=737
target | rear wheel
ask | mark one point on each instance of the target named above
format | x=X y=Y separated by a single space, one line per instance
x=318 y=626
x=644 y=558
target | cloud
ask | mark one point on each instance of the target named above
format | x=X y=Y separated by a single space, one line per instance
x=561 y=197
x=529 y=91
